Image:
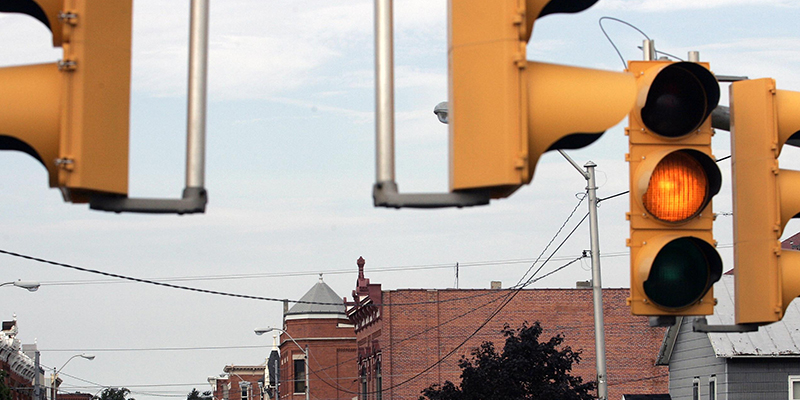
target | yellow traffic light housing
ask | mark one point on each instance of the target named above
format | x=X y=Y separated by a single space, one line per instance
x=505 y=111
x=73 y=115
x=767 y=278
x=673 y=178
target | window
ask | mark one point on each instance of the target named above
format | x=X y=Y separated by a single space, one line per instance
x=245 y=386
x=363 y=382
x=696 y=388
x=794 y=387
x=712 y=387
x=299 y=376
x=378 y=379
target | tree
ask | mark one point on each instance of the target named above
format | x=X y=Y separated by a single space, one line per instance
x=114 y=394
x=5 y=391
x=527 y=369
x=195 y=395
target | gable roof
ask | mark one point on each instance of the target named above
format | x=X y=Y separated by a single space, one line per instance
x=779 y=339
x=319 y=302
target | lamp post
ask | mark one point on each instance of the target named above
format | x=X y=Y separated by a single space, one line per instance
x=29 y=285
x=56 y=371
x=305 y=352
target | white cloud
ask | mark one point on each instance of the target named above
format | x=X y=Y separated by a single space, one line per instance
x=675 y=5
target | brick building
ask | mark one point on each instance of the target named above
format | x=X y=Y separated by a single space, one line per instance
x=319 y=323
x=16 y=365
x=402 y=334
x=240 y=382
x=75 y=396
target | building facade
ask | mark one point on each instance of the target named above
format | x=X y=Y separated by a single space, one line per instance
x=18 y=368
x=317 y=324
x=239 y=382
x=409 y=339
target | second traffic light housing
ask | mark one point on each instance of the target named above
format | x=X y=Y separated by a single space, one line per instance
x=73 y=116
x=506 y=111
x=765 y=198
x=673 y=178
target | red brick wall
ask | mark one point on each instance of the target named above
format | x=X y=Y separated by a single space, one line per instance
x=415 y=335
x=236 y=375
x=21 y=388
x=332 y=358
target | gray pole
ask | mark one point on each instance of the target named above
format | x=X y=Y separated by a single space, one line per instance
x=305 y=351
x=597 y=287
x=277 y=376
x=36 y=383
x=196 y=118
x=384 y=91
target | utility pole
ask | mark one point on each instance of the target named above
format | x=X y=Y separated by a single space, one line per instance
x=597 y=287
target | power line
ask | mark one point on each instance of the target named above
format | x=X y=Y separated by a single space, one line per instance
x=313 y=273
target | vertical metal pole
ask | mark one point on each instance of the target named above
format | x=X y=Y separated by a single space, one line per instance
x=37 y=388
x=649 y=50
x=384 y=92
x=55 y=384
x=308 y=389
x=196 y=124
x=597 y=287
x=277 y=376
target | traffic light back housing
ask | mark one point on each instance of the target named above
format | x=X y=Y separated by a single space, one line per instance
x=73 y=116
x=505 y=111
x=767 y=278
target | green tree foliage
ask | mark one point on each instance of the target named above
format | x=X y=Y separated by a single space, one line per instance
x=527 y=369
x=5 y=391
x=195 y=395
x=114 y=394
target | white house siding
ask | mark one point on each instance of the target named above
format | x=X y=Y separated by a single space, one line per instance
x=692 y=357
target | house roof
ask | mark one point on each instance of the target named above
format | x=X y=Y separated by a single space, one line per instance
x=778 y=339
x=319 y=301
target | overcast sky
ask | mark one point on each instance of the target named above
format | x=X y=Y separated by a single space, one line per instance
x=290 y=167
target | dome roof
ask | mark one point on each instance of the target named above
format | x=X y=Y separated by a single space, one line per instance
x=319 y=302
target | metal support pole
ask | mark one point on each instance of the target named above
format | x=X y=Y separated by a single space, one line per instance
x=196 y=114
x=37 y=388
x=597 y=287
x=305 y=352
x=194 y=197
x=384 y=91
x=277 y=377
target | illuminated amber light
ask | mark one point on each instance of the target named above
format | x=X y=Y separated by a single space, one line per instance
x=678 y=188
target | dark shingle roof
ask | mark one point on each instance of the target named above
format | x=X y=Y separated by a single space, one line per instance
x=323 y=301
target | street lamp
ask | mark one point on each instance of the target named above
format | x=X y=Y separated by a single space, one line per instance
x=30 y=285
x=56 y=371
x=305 y=351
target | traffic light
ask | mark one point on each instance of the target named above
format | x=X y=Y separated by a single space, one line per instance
x=765 y=198
x=673 y=177
x=505 y=111
x=72 y=115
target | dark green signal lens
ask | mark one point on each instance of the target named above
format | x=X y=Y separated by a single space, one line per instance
x=682 y=273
